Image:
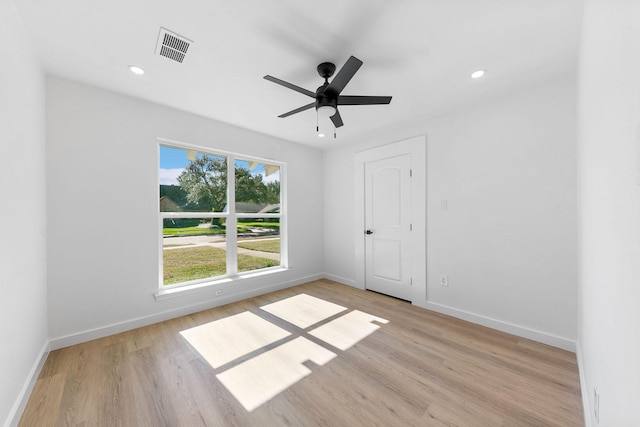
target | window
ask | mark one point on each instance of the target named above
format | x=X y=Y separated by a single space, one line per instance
x=213 y=227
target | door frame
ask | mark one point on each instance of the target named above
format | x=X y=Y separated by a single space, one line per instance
x=417 y=148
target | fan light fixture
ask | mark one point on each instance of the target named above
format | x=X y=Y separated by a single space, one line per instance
x=326 y=111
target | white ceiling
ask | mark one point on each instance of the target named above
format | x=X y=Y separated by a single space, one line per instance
x=421 y=52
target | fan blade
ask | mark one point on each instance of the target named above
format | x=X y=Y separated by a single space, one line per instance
x=345 y=74
x=336 y=119
x=363 y=100
x=291 y=86
x=297 y=110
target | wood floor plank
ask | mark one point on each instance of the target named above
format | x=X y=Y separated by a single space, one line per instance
x=420 y=368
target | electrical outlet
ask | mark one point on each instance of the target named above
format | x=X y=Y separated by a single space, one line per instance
x=596 y=404
x=444 y=280
x=218 y=293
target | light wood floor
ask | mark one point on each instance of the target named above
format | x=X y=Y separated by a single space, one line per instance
x=419 y=369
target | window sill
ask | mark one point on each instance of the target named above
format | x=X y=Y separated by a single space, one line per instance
x=198 y=287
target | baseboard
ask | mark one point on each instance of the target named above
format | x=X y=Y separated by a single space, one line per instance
x=510 y=328
x=23 y=397
x=532 y=334
x=127 y=325
x=583 y=386
x=340 y=279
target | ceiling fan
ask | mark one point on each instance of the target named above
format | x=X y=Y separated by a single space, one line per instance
x=328 y=96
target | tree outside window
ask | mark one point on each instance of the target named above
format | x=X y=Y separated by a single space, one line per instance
x=199 y=241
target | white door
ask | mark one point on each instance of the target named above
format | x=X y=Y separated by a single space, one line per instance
x=388 y=226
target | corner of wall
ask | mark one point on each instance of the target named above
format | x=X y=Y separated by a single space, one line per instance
x=343 y=280
x=23 y=398
x=586 y=408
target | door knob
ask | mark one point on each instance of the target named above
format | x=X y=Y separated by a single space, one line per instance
x=368 y=232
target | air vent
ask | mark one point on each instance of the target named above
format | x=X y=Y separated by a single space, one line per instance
x=172 y=45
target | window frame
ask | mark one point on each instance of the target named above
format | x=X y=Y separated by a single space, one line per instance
x=231 y=220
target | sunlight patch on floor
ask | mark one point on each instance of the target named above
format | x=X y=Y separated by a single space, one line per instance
x=344 y=332
x=222 y=341
x=263 y=376
x=303 y=310
x=256 y=381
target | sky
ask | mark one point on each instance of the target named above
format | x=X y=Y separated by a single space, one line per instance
x=174 y=160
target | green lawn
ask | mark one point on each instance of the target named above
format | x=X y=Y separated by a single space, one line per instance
x=248 y=263
x=192 y=231
x=182 y=265
x=270 y=245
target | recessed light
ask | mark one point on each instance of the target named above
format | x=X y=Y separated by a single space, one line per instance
x=477 y=74
x=136 y=70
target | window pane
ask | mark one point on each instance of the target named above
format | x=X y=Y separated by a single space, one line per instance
x=257 y=187
x=193 y=184
x=258 y=243
x=193 y=249
x=191 y=181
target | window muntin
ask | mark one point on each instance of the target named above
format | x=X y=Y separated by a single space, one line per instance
x=197 y=203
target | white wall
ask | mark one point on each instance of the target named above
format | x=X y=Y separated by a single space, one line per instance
x=103 y=202
x=508 y=240
x=609 y=211
x=23 y=310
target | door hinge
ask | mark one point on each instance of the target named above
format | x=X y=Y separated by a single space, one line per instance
x=410 y=227
x=411 y=281
x=410 y=172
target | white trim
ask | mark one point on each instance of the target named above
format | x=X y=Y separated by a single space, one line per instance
x=510 y=328
x=160 y=224
x=417 y=148
x=67 y=340
x=586 y=407
x=284 y=217
x=199 y=285
x=195 y=214
x=209 y=150
x=23 y=398
x=342 y=280
x=231 y=226
x=260 y=215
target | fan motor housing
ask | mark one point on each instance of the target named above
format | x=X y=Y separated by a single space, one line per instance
x=326 y=96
